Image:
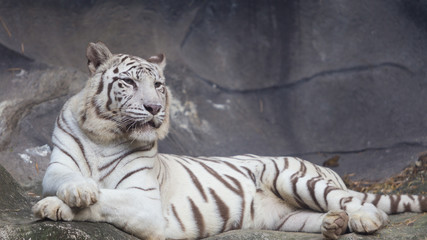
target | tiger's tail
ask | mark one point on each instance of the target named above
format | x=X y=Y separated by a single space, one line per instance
x=394 y=203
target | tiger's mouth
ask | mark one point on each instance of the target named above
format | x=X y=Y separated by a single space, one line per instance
x=141 y=125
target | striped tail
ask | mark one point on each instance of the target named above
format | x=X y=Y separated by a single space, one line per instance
x=394 y=203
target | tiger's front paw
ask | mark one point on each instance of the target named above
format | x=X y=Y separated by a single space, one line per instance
x=53 y=208
x=79 y=194
x=334 y=224
x=368 y=219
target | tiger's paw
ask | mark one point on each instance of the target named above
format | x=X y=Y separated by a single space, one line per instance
x=80 y=194
x=53 y=208
x=334 y=224
x=368 y=219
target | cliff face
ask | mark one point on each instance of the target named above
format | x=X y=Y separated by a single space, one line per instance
x=342 y=83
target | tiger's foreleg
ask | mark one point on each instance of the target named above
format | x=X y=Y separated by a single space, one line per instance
x=128 y=209
x=69 y=184
x=331 y=224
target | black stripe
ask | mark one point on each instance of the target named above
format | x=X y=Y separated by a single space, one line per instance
x=286 y=219
x=223 y=209
x=198 y=218
x=251 y=174
x=394 y=203
x=123 y=59
x=143 y=189
x=234 y=168
x=262 y=173
x=338 y=179
x=130 y=68
x=132 y=173
x=195 y=181
x=217 y=176
x=302 y=226
x=286 y=165
x=252 y=210
x=376 y=200
x=205 y=159
x=79 y=143
x=311 y=185
x=178 y=218
x=51 y=163
x=241 y=193
x=327 y=190
x=69 y=155
x=164 y=176
x=238 y=189
x=140 y=149
x=117 y=163
x=344 y=201
x=407 y=207
x=101 y=84
x=294 y=180
x=303 y=168
x=422 y=201
x=365 y=196
x=274 y=190
x=109 y=101
x=318 y=170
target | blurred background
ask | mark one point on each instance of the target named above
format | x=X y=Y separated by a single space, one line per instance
x=339 y=83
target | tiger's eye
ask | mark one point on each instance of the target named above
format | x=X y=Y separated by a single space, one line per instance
x=128 y=81
x=158 y=84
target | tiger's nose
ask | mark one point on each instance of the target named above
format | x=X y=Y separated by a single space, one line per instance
x=152 y=108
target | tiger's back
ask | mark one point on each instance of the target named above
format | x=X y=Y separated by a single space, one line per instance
x=105 y=168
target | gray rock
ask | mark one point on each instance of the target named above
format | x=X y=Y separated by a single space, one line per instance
x=31 y=97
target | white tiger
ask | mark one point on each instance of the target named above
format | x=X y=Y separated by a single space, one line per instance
x=105 y=168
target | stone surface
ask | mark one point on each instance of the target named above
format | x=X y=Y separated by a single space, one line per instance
x=343 y=80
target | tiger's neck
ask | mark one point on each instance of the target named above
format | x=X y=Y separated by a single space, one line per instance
x=110 y=161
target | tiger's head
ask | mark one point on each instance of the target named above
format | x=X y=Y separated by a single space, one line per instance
x=125 y=97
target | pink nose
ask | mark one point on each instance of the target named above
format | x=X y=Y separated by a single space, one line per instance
x=153 y=108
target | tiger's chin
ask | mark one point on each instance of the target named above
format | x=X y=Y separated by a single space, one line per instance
x=150 y=131
x=143 y=135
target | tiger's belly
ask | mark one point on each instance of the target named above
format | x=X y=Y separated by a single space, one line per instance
x=204 y=199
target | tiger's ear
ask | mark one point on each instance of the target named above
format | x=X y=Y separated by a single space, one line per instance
x=97 y=54
x=159 y=60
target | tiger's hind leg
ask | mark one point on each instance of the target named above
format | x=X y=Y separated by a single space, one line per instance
x=364 y=217
x=334 y=224
x=367 y=219
x=315 y=188
x=324 y=197
x=331 y=224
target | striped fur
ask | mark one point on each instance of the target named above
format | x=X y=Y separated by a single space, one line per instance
x=105 y=168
